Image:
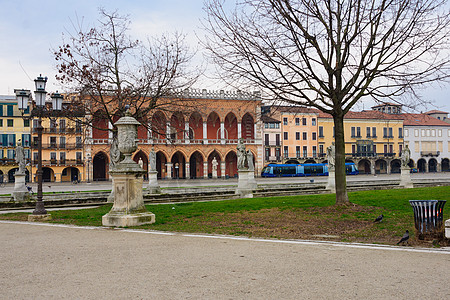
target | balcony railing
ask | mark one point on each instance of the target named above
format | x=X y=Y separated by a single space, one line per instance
x=272 y=143
x=34 y=146
x=181 y=141
x=60 y=162
x=430 y=153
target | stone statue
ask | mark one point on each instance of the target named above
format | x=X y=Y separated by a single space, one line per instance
x=141 y=163
x=152 y=158
x=20 y=158
x=251 y=166
x=405 y=156
x=115 y=152
x=214 y=164
x=331 y=153
x=241 y=155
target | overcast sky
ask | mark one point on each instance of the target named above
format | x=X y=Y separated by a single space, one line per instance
x=30 y=29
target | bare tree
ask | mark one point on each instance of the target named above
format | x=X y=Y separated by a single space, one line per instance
x=330 y=54
x=109 y=70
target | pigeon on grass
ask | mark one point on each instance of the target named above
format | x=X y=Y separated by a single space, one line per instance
x=379 y=219
x=404 y=238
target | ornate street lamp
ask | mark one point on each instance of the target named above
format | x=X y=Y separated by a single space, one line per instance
x=40 y=111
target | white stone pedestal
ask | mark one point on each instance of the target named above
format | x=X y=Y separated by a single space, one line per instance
x=153 y=186
x=128 y=209
x=214 y=174
x=20 y=192
x=246 y=183
x=110 y=198
x=447 y=229
x=405 y=178
x=331 y=183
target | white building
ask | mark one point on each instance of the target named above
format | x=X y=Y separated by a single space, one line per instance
x=428 y=139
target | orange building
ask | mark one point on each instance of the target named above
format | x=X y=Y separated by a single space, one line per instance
x=186 y=141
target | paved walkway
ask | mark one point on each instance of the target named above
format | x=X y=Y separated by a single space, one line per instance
x=177 y=183
x=55 y=262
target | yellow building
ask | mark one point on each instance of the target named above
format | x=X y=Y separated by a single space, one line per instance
x=373 y=140
x=13 y=127
x=62 y=149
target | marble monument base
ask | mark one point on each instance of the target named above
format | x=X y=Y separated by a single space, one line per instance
x=447 y=229
x=405 y=178
x=331 y=183
x=20 y=192
x=128 y=209
x=246 y=183
x=39 y=218
x=153 y=186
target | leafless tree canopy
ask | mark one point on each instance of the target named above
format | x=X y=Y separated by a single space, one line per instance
x=109 y=70
x=329 y=54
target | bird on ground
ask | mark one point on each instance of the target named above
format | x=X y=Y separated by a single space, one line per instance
x=404 y=238
x=379 y=219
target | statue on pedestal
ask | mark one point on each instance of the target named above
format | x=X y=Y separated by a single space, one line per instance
x=20 y=158
x=251 y=166
x=405 y=156
x=152 y=160
x=241 y=155
x=331 y=155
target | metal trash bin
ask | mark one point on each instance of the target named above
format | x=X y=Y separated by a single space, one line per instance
x=428 y=215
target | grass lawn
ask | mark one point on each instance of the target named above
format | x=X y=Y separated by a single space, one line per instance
x=290 y=217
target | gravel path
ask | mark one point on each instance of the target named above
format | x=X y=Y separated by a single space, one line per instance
x=53 y=262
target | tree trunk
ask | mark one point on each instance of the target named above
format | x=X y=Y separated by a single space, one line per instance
x=340 y=175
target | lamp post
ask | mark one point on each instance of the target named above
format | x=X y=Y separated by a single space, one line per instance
x=40 y=111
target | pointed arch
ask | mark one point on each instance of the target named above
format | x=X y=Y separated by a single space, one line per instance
x=231 y=126
x=213 y=126
x=100 y=166
x=196 y=165
x=177 y=128
x=248 y=127
x=159 y=125
x=195 y=126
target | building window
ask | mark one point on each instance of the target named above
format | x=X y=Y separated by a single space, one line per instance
x=358 y=132
x=78 y=126
x=26 y=140
x=266 y=139
x=374 y=132
x=320 y=131
x=297 y=151
x=304 y=121
x=314 y=150
x=277 y=153
x=10 y=122
x=53 y=157
x=266 y=125
x=53 y=142
x=286 y=151
x=353 y=149
x=285 y=121
x=10 y=154
x=313 y=121
x=384 y=132
x=368 y=132
x=353 y=132
x=35 y=157
x=1 y=110
x=10 y=110
x=78 y=142
x=62 y=157
x=433 y=132
x=305 y=136
x=78 y=157
x=385 y=149
x=297 y=121
x=62 y=142
x=439 y=132
x=1 y=122
x=62 y=126
x=305 y=151
x=390 y=133
x=285 y=136
x=406 y=132
x=267 y=154
x=321 y=150
x=423 y=132
x=374 y=149
x=416 y=132
x=314 y=136
x=26 y=123
x=400 y=132
x=277 y=139
x=297 y=136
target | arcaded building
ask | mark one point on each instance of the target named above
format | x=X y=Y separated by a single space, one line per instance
x=187 y=140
